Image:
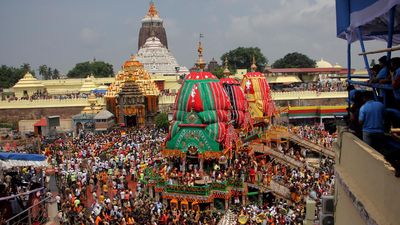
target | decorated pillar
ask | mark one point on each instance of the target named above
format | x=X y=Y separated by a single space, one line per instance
x=157 y=197
x=212 y=205
x=151 y=192
x=244 y=198
x=201 y=164
x=183 y=165
x=260 y=198
x=226 y=203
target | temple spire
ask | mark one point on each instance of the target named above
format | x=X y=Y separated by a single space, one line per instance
x=226 y=70
x=152 y=10
x=253 y=66
x=200 y=64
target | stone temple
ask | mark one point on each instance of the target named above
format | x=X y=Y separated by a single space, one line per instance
x=152 y=25
x=153 y=50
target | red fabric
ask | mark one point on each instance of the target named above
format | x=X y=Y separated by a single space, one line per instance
x=228 y=81
x=221 y=132
x=41 y=123
x=200 y=76
x=221 y=99
x=194 y=101
x=239 y=102
x=249 y=87
x=267 y=102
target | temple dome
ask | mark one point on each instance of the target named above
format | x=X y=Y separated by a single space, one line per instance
x=156 y=58
x=337 y=66
x=28 y=81
x=323 y=64
x=88 y=85
x=202 y=107
x=133 y=70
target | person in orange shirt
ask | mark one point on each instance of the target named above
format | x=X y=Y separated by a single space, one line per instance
x=130 y=220
x=98 y=220
x=105 y=189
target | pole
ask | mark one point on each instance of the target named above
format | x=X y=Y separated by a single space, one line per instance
x=348 y=74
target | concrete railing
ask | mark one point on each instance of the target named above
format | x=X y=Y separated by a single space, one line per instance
x=274 y=186
x=311 y=146
x=280 y=156
x=47 y=103
x=294 y=95
x=367 y=190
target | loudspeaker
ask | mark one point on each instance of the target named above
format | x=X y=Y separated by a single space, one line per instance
x=326 y=219
x=328 y=204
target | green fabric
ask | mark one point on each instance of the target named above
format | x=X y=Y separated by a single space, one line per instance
x=193 y=136
x=208 y=116
x=204 y=139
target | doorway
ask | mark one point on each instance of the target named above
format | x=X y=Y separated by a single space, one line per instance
x=131 y=121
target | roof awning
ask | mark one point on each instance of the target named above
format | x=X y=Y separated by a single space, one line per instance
x=284 y=79
x=41 y=123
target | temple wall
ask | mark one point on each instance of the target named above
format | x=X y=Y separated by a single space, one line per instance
x=25 y=126
x=15 y=115
x=311 y=102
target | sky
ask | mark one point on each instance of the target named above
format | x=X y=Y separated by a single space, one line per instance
x=60 y=33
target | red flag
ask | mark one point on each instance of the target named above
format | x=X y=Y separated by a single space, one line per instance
x=194 y=101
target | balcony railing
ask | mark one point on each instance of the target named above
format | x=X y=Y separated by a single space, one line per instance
x=35 y=214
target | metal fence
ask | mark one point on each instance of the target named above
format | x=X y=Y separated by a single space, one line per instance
x=35 y=214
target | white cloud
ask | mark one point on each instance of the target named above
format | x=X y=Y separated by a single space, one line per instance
x=290 y=25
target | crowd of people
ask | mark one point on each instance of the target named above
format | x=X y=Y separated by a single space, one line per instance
x=102 y=178
x=322 y=85
x=316 y=134
x=43 y=95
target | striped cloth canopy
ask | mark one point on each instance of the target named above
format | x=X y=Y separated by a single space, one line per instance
x=201 y=114
x=257 y=91
x=240 y=107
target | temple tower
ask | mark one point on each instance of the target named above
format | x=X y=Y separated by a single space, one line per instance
x=152 y=26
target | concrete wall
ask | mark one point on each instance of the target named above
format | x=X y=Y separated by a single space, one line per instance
x=15 y=115
x=47 y=103
x=25 y=126
x=367 y=181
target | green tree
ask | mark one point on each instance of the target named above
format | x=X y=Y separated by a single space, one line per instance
x=294 y=60
x=98 y=68
x=56 y=74
x=161 y=121
x=242 y=58
x=26 y=67
x=9 y=76
x=219 y=72
x=44 y=71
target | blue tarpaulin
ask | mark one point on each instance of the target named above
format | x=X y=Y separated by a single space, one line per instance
x=99 y=91
x=371 y=15
x=10 y=160
x=21 y=156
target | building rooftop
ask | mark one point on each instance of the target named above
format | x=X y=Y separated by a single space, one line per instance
x=28 y=81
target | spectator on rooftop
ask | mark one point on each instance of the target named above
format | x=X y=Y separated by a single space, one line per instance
x=372 y=119
x=396 y=80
